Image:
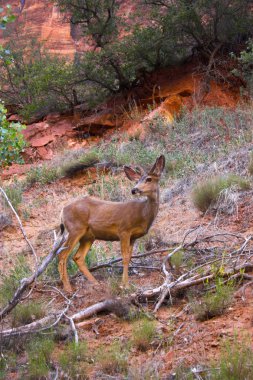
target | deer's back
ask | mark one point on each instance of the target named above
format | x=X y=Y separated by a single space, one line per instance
x=106 y=220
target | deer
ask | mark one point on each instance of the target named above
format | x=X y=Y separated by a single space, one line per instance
x=88 y=219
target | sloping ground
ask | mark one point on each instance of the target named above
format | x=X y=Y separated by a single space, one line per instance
x=182 y=340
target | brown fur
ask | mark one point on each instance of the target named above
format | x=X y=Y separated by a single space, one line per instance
x=89 y=219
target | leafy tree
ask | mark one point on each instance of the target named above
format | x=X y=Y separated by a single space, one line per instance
x=160 y=33
x=206 y=25
x=245 y=69
x=35 y=82
x=11 y=139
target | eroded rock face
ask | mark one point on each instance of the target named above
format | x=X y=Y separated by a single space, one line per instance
x=42 y=20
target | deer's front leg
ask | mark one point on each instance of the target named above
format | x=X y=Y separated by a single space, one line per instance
x=126 y=252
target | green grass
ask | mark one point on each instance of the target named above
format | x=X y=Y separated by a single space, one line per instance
x=73 y=360
x=39 y=353
x=143 y=333
x=214 y=303
x=42 y=175
x=15 y=194
x=24 y=314
x=10 y=282
x=111 y=187
x=85 y=160
x=235 y=362
x=207 y=192
x=113 y=359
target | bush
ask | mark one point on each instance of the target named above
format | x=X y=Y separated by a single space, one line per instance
x=10 y=282
x=73 y=360
x=235 y=362
x=24 y=314
x=15 y=194
x=143 y=333
x=42 y=175
x=113 y=359
x=84 y=161
x=35 y=81
x=12 y=141
x=250 y=167
x=214 y=303
x=207 y=193
x=39 y=354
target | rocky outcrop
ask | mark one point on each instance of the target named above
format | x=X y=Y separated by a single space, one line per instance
x=42 y=20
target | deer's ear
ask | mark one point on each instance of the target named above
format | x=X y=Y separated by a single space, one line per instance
x=158 y=167
x=132 y=174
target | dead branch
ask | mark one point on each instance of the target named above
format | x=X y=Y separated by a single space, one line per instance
x=30 y=328
x=120 y=307
x=110 y=263
x=26 y=282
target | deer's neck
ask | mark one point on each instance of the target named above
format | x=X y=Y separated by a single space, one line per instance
x=151 y=207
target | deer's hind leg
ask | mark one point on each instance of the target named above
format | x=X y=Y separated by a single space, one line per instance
x=80 y=255
x=62 y=266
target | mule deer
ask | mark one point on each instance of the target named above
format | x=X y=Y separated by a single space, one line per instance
x=89 y=219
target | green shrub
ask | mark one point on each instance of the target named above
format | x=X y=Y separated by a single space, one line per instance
x=214 y=303
x=250 y=167
x=113 y=359
x=12 y=141
x=15 y=194
x=39 y=353
x=42 y=175
x=235 y=362
x=143 y=333
x=24 y=314
x=74 y=359
x=207 y=193
x=84 y=161
x=10 y=282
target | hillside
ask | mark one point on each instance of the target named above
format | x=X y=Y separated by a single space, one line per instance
x=187 y=313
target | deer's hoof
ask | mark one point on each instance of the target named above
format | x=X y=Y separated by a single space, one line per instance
x=68 y=290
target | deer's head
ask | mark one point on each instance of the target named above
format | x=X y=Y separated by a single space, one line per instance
x=147 y=183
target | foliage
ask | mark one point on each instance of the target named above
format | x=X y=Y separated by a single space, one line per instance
x=125 y=52
x=207 y=193
x=15 y=194
x=214 y=303
x=143 y=333
x=245 y=66
x=74 y=165
x=235 y=362
x=39 y=353
x=113 y=359
x=42 y=175
x=73 y=360
x=27 y=313
x=11 y=281
x=203 y=25
x=36 y=82
x=250 y=167
x=12 y=141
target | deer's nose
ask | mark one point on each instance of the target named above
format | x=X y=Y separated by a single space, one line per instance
x=134 y=191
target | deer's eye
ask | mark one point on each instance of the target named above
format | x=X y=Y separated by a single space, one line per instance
x=148 y=179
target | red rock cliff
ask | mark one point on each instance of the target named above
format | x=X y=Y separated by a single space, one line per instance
x=43 y=20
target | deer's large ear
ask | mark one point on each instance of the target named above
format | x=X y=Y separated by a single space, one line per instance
x=158 y=167
x=132 y=174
